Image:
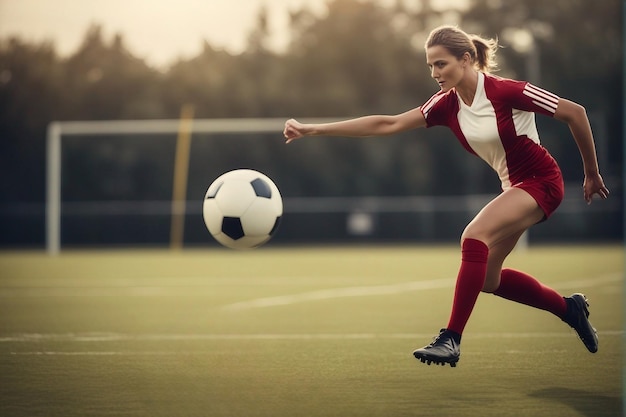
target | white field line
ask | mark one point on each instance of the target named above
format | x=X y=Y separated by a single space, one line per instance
x=38 y=338
x=109 y=353
x=129 y=290
x=342 y=292
x=86 y=338
x=393 y=289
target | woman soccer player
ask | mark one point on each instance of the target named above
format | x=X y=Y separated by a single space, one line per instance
x=493 y=118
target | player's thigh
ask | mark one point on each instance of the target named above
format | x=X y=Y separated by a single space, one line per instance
x=508 y=214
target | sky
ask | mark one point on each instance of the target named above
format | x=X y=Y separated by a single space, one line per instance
x=158 y=31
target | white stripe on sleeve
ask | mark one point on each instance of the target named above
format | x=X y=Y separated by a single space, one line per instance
x=542 y=98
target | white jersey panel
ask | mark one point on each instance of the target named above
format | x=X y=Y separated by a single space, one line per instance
x=479 y=126
x=525 y=125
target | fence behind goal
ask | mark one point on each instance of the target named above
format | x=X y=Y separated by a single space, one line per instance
x=115 y=183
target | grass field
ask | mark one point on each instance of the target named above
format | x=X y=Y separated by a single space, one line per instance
x=297 y=332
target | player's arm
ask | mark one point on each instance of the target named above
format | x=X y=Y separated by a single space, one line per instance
x=377 y=125
x=576 y=118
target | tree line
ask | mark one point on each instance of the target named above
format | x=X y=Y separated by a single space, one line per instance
x=358 y=58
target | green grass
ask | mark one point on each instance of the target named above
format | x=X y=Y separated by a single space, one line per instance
x=297 y=332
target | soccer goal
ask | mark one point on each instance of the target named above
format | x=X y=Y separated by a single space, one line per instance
x=183 y=128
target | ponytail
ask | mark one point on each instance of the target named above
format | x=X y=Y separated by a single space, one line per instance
x=485 y=53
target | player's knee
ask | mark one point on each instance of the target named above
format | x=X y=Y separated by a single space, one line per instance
x=492 y=282
x=473 y=234
x=490 y=287
x=478 y=231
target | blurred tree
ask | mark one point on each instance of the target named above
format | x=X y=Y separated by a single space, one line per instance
x=367 y=55
x=31 y=95
x=107 y=82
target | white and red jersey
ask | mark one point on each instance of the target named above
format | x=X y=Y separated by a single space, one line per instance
x=499 y=126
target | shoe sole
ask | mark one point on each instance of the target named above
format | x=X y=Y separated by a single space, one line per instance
x=437 y=361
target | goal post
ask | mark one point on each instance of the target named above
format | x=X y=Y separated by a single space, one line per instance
x=53 y=188
x=181 y=171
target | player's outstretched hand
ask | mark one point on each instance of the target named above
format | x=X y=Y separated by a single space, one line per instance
x=293 y=130
x=594 y=184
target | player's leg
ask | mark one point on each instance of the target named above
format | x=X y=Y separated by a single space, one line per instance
x=495 y=228
x=523 y=288
x=507 y=215
x=516 y=285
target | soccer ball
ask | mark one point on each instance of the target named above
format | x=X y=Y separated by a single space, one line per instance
x=242 y=209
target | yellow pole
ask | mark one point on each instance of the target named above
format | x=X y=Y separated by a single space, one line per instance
x=181 y=171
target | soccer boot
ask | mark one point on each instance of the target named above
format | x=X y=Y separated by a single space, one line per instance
x=445 y=348
x=577 y=317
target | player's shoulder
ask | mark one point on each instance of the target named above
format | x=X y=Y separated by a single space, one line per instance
x=520 y=94
x=440 y=98
x=439 y=107
x=503 y=84
x=505 y=89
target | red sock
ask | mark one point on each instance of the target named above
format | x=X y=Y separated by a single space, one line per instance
x=522 y=288
x=469 y=282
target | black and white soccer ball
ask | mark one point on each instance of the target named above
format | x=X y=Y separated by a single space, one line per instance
x=242 y=209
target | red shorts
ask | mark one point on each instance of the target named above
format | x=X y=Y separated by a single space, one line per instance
x=547 y=190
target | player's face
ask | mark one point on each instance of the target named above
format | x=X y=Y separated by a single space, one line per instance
x=445 y=68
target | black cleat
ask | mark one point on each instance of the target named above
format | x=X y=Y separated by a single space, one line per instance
x=578 y=318
x=445 y=348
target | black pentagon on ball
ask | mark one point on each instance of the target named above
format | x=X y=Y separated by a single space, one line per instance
x=261 y=188
x=214 y=193
x=276 y=224
x=231 y=227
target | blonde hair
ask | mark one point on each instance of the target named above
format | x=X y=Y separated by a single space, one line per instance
x=482 y=51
